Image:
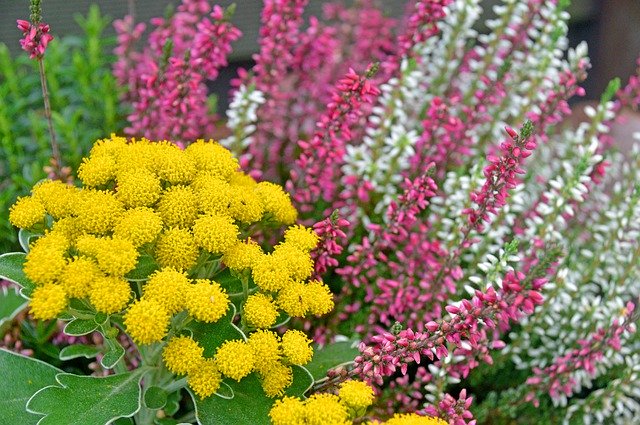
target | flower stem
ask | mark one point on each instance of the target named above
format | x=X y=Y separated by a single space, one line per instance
x=55 y=150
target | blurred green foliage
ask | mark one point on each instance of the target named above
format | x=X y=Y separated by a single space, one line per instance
x=84 y=102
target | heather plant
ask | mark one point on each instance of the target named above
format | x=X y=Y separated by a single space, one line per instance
x=480 y=253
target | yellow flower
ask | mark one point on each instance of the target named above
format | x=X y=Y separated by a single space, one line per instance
x=182 y=354
x=138 y=225
x=138 y=188
x=215 y=233
x=110 y=294
x=301 y=237
x=245 y=205
x=111 y=147
x=168 y=287
x=235 y=359
x=27 y=212
x=287 y=411
x=146 y=321
x=213 y=194
x=277 y=379
x=260 y=311
x=292 y=299
x=97 y=170
x=266 y=348
x=207 y=301
x=58 y=198
x=205 y=378
x=296 y=347
x=270 y=273
x=172 y=164
x=78 y=277
x=413 y=419
x=116 y=256
x=68 y=227
x=98 y=211
x=357 y=395
x=213 y=158
x=325 y=409
x=135 y=156
x=318 y=298
x=176 y=248
x=45 y=260
x=241 y=179
x=297 y=261
x=276 y=202
x=47 y=301
x=242 y=255
x=178 y=207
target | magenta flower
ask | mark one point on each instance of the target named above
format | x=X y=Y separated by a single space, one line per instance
x=35 y=39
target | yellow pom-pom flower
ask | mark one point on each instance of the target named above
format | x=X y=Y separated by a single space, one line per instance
x=213 y=158
x=116 y=256
x=27 y=212
x=206 y=301
x=47 y=301
x=292 y=299
x=357 y=395
x=241 y=179
x=45 y=260
x=111 y=146
x=110 y=294
x=168 y=287
x=58 y=198
x=266 y=348
x=171 y=164
x=182 y=354
x=146 y=321
x=138 y=188
x=296 y=347
x=260 y=311
x=242 y=255
x=277 y=379
x=68 y=227
x=287 y=411
x=235 y=359
x=97 y=170
x=245 y=205
x=215 y=233
x=413 y=419
x=213 y=194
x=318 y=298
x=138 y=225
x=276 y=202
x=321 y=409
x=98 y=211
x=301 y=237
x=176 y=248
x=204 y=379
x=178 y=207
x=78 y=277
x=297 y=261
x=270 y=273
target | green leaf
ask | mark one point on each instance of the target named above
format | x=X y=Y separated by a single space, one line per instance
x=22 y=377
x=78 y=327
x=78 y=350
x=114 y=353
x=78 y=399
x=173 y=403
x=11 y=304
x=145 y=266
x=211 y=335
x=24 y=237
x=248 y=392
x=330 y=356
x=11 y=269
x=155 y=398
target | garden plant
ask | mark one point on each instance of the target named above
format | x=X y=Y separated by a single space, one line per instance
x=396 y=221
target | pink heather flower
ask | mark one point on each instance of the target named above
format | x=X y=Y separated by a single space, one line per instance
x=455 y=411
x=330 y=232
x=35 y=39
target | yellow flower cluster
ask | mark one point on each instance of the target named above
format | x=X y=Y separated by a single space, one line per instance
x=351 y=402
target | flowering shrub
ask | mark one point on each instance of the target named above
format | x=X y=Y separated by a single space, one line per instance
x=481 y=253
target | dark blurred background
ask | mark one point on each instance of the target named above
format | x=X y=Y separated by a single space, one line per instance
x=609 y=26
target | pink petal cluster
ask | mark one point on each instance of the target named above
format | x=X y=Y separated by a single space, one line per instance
x=455 y=411
x=35 y=38
x=330 y=232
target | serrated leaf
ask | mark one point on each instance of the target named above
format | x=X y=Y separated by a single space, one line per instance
x=11 y=304
x=330 y=356
x=247 y=393
x=11 y=269
x=87 y=399
x=78 y=350
x=145 y=266
x=79 y=327
x=26 y=376
x=155 y=397
x=211 y=335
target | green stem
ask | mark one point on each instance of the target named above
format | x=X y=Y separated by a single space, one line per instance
x=55 y=150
